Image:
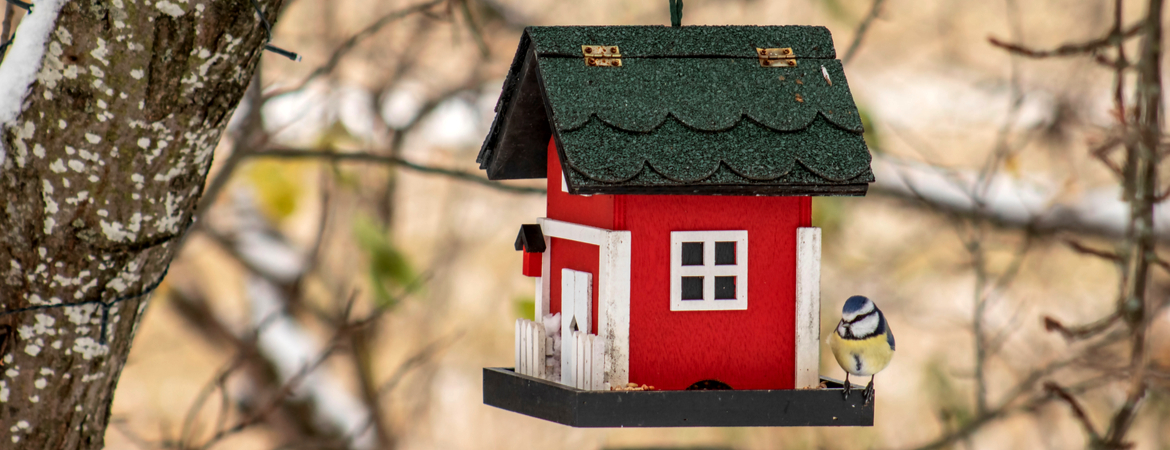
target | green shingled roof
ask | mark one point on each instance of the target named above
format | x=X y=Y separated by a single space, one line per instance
x=690 y=111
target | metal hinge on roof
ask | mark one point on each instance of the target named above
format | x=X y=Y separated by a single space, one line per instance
x=776 y=57
x=601 y=55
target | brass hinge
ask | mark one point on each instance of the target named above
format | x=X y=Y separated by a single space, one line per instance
x=601 y=55
x=776 y=57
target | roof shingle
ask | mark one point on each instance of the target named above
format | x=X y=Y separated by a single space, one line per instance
x=689 y=111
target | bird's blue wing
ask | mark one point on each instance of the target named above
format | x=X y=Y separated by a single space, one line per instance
x=889 y=332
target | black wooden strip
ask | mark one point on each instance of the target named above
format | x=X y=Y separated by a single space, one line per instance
x=554 y=402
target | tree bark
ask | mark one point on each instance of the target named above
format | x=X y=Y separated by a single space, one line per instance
x=106 y=164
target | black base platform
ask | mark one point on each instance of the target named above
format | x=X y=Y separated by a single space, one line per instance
x=506 y=389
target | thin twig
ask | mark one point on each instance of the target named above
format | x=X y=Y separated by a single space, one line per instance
x=418 y=358
x=1082 y=331
x=120 y=425
x=1010 y=403
x=1074 y=49
x=6 y=29
x=284 y=392
x=1078 y=412
x=187 y=432
x=294 y=153
x=1086 y=250
x=349 y=44
x=476 y=33
x=1121 y=63
x=1104 y=149
x=862 y=28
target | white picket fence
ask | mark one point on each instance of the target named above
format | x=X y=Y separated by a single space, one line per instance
x=586 y=360
x=530 y=348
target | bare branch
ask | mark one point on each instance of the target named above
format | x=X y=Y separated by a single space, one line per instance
x=285 y=391
x=417 y=359
x=1140 y=191
x=1009 y=202
x=1119 y=66
x=1016 y=400
x=1103 y=150
x=353 y=41
x=476 y=33
x=294 y=153
x=862 y=28
x=1083 y=249
x=6 y=29
x=138 y=441
x=1078 y=412
x=1083 y=331
x=1072 y=49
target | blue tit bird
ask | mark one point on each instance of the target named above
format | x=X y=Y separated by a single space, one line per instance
x=863 y=342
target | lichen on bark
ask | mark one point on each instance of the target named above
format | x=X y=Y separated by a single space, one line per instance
x=106 y=163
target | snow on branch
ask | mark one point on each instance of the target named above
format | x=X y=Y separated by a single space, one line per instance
x=1009 y=201
x=282 y=340
x=23 y=60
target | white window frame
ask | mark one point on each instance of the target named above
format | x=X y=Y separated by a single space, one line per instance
x=709 y=270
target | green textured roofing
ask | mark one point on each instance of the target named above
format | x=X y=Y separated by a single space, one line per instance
x=689 y=41
x=689 y=111
x=708 y=94
x=684 y=155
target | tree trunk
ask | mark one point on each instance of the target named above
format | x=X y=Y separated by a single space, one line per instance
x=106 y=163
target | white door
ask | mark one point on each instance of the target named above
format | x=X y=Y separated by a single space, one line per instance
x=576 y=302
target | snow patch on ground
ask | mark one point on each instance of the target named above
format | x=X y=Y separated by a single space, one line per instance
x=23 y=61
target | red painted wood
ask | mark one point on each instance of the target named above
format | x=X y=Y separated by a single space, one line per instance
x=751 y=349
x=594 y=211
x=532 y=263
x=576 y=256
x=805 y=211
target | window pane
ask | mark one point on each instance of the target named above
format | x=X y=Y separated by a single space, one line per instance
x=692 y=253
x=725 y=253
x=692 y=288
x=724 y=288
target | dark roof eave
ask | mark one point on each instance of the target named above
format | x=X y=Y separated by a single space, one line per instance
x=796 y=190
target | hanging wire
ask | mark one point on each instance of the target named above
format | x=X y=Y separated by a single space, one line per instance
x=22 y=5
x=675 y=13
x=268 y=30
x=263 y=20
x=148 y=289
x=106 y=305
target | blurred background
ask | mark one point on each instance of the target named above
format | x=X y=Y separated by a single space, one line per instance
x=352 y=272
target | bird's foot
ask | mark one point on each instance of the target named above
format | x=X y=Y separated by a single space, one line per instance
x=848 y=386
x=869 y=392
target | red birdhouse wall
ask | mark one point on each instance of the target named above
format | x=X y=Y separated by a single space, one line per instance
x=746 y=349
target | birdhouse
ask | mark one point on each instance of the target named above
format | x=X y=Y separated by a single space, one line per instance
x=676 y=271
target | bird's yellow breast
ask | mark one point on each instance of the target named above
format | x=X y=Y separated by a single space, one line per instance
x=862 y=357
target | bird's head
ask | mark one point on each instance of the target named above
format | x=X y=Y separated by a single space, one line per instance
x=855 y=307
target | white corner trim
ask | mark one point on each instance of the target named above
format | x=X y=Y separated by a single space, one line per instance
x=518 y=366
x=571 y=231
x=544 y=286
x=613 y=284
x=808 y=307
x=538 y=298
x=613 y=308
